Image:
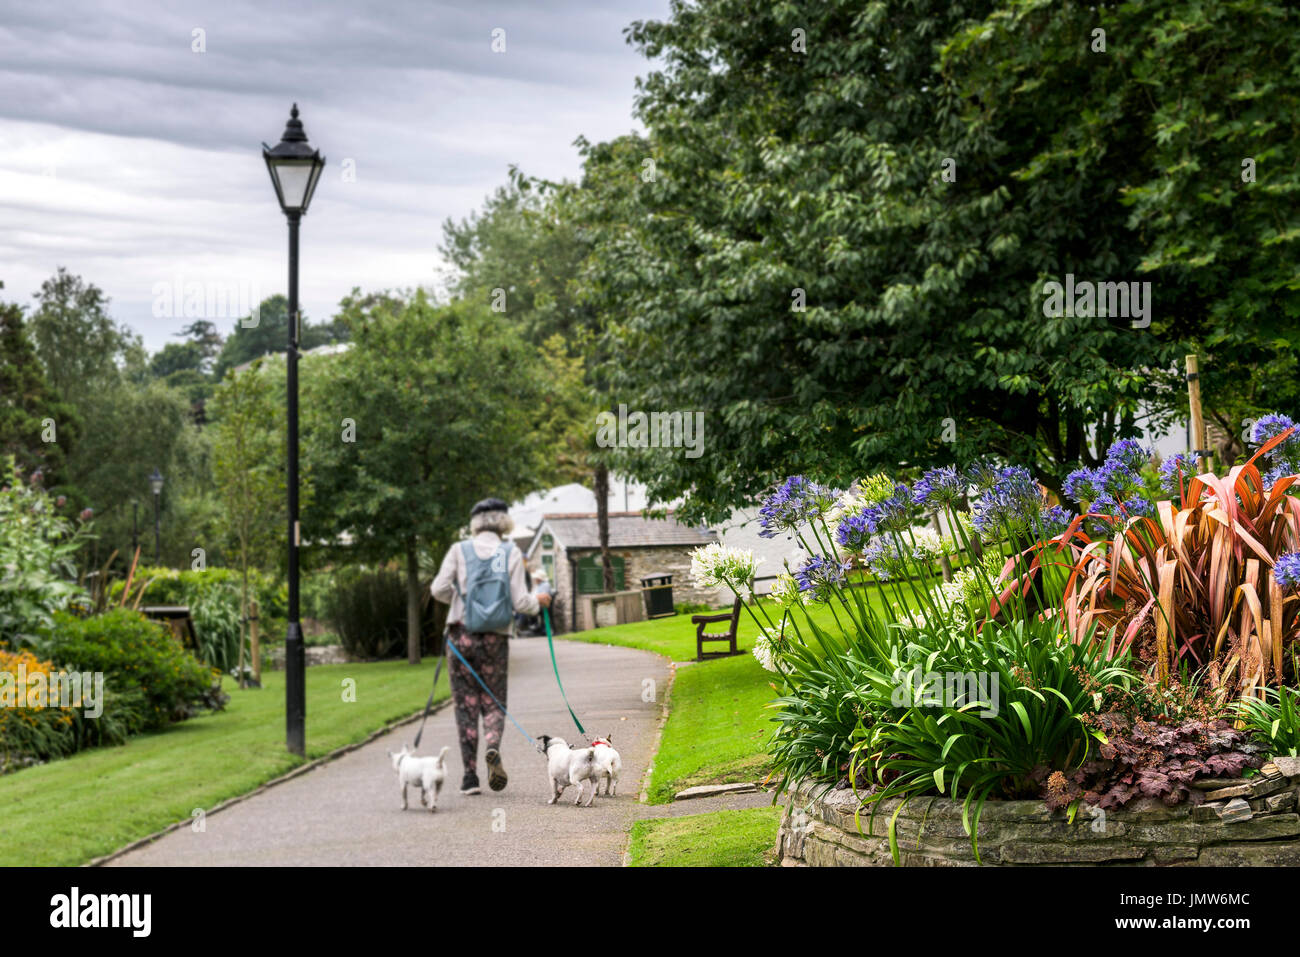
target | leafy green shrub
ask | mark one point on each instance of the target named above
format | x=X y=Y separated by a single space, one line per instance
x=171 y=586
x=37 y=551
x=30 y=733
x=1026 y=709
x=212 y=595
x=1274 y=719
x=367 y=608
x=135 y=655
x=315 y=589
x=215 y=610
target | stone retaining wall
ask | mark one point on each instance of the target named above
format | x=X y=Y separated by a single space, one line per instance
x=1256 y=826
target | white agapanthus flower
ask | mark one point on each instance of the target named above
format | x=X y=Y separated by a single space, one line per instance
x=956 y=596
x=717 y=564
x=785 y=591
x=930 y=546
x=765 y=650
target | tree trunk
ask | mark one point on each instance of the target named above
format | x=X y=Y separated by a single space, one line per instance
x=602 y=523
x=243 y=620
x=412 y=603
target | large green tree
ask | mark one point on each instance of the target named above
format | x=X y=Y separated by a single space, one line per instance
x=82 y=347
x=35 y=424
x=835 y=237
x=1189 y=109
x=127 y=424
x=433 y=408
x=522 y=254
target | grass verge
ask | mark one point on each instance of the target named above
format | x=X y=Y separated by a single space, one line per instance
x=675 y=637
x=745 y=838
x=717 y=727
x=72 y=810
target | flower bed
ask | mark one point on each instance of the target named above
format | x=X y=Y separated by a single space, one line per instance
x=1095 y=661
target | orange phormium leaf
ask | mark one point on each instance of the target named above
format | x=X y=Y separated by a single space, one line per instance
x=1135 y=625
x=1248 y=487
x=1216 y=577
x=1270 y=445
x=1252 y=618
x=1166 y=627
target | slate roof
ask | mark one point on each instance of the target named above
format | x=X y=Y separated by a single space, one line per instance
x=626 y=530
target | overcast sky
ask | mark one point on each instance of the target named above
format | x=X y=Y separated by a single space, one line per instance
x=136 y=162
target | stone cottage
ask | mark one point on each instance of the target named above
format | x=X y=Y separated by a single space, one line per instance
x=567 y=547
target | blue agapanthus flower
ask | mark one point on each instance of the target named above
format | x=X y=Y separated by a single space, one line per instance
x=894 y=514
x=819 y=575
x=886 y=556
x=1268 y=426
x=939 y=487
x=1008 y=504
x=1138 y=505
x=1119 y=481
x=852 y=534
x=1103 y=505
x=1054 y=521
x=1081 y=486
x=1286 y=571
x=983 y=474
x=1283 y=459
x=1175 y=471
x=794 y=502
x=1277 y=472
x=1128 y=453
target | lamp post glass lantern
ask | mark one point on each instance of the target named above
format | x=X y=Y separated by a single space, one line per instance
x=156 y=486
x=295 y=169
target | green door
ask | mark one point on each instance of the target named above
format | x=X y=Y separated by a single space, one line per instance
x=591 y=581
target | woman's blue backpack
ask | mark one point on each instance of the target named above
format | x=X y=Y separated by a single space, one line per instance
x=487 y=590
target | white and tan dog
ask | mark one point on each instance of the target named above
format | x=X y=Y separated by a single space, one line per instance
x=428 y=773
x=608 y=764
x=566 y=766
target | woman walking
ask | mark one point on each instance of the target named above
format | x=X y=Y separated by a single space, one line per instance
x=482 y=579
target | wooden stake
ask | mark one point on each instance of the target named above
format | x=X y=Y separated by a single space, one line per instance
x=255 y=644
x=1200 y=443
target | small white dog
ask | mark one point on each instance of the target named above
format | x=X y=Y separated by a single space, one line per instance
x=429 y=773
x=608 y=764
x=565 y=766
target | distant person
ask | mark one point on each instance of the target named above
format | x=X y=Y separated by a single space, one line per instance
x=541 y=586
x=489 y=571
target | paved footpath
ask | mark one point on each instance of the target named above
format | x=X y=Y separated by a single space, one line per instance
x=347 y=812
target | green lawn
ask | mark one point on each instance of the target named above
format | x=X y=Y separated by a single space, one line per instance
x=675 y=636
x=719 y=839
x=76 y=809
x=718 y=725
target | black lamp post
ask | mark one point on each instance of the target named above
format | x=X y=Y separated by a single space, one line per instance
x=295 y=169
x=156 y=484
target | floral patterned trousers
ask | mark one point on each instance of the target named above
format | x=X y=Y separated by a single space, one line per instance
x=488 y=654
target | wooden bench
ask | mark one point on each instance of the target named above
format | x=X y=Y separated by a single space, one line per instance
x=177 y=619
x=729 y=636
